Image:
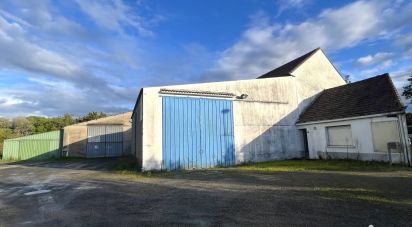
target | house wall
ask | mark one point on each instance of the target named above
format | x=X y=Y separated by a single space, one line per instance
x=75 y=136
x=362 y=137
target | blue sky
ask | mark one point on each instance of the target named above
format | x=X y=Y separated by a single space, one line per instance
x=78 y=56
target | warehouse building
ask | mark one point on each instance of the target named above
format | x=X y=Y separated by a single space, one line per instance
x=225 y=123
x=34 y=147
x=232 y=122
x=104 y=137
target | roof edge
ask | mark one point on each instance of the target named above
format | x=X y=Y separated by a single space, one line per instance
x=84 y=123
x=307 y=57
x=348 y=118
x=137 y=101
x=394 y=90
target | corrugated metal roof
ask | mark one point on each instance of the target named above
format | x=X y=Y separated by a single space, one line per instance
x=196 y=93
x=42 y=136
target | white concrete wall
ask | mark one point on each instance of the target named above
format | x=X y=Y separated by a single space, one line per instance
x=362 y=137
x=315 y=75
x=264 y=123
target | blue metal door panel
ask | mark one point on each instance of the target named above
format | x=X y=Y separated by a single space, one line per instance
x=197 y=133
x=114 y=149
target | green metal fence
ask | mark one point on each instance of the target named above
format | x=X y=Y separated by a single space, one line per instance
x=40 y=146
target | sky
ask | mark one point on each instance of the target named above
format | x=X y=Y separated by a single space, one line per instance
x=79 y=56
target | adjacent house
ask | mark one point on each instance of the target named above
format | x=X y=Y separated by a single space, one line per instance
x=363 y=120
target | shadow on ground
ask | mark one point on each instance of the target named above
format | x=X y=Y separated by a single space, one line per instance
x=97 y=164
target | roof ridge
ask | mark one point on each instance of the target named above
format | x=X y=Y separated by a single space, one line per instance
x=360 y=81
x=306 y=58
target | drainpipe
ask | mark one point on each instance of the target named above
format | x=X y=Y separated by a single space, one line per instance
x=404 y=139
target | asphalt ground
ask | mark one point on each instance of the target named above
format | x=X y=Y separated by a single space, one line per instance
x=87 y=193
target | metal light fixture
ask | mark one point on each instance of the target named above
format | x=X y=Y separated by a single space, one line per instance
x=242 y=96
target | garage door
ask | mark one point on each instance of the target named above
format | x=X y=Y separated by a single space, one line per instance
x=197 y=133
x=104 y=141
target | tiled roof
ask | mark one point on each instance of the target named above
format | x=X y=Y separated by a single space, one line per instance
x=376 y=95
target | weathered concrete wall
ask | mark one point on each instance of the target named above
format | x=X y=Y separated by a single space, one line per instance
x=75 y=141
x=75 y=136
x=127 y=140
x=315 y=75
x=137 y=129
x=362 y=137
x=266 y=116
x=264 y=122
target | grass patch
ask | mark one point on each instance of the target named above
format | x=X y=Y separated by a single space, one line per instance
x=5 y=161
x=322 y=165
x=125 y=165
x=365 y=195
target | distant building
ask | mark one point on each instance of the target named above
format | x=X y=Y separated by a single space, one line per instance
x=104 y=137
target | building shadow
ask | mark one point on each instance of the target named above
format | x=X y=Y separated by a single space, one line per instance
x=281 y=141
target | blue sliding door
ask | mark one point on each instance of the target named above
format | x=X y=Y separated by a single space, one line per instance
x=197 y=133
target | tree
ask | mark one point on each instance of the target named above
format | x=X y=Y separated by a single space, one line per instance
x=347 y=79
x=5 y=133
x=66 y=120
x=407 y=90
x=5 y=123
x=22 y=126
x=92 y=116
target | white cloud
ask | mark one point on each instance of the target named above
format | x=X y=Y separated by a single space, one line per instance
x=64 y=75
x=26 y=55
x=285 y=5
x=376 y=58
x=405 y=42
x=262 y=48
x=51 y=98
x=377 y=69
x=113 y=15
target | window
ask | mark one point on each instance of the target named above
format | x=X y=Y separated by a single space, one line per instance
x=385 y=132
x=339 y=135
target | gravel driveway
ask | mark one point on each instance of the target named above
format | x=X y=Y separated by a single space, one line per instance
x=85 y=193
